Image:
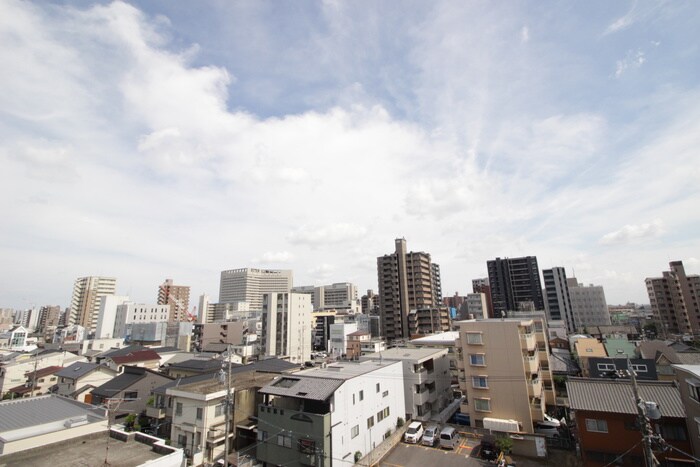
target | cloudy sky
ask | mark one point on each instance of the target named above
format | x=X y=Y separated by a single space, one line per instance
x=175 y=139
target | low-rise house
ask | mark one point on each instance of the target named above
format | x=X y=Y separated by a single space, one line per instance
x=36 y=421
x=606 y=367
x=130 y=391
x=15 y=366
x=142 y=358
x=665 y=356
x=329 y=416
x=606 y=332
x=608 y=426
x=79 y=379
x=586 y=348
x=355 y=341
x=194 y=366
x=38 y=382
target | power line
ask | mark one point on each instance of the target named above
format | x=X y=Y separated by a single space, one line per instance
x=623 y=454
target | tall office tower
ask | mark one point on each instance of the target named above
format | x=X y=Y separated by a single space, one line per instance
x=515 y=284
x=370 y=303
x=481 y=285
x=249 y=285
x=177 y=297
x=338 y=296
x=406 y=283
x=85 y=303
x=675 y=300
x=558 y=303
x=286 y=326
x=588 y=304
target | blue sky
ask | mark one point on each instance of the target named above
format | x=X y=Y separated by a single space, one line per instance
x=176 y=139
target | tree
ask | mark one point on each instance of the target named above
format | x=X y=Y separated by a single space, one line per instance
x=358 y=456
x=504 y=444
x=399 y=422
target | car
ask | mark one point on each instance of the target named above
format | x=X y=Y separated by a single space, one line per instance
x=487 y=449
x=431 y=436
x=449 y=438
x=414 y=433
x=548 y=428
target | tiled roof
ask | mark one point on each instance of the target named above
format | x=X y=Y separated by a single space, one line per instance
x=137 y=356
x=123 y=351
x=198 y=364
x=319 y=389
x=77 y=369
x=616 y=396
x=49 y=370
x=30 y=412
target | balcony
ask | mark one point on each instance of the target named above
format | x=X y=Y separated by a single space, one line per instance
x=532 y=363
x=536 y=409
x=528 y=342
x=534 y=388
x=155 y=412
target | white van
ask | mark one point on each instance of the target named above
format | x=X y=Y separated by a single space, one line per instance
x=449 y=438
x=413 y=433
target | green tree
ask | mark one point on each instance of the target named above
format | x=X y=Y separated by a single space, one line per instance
x=504 y=444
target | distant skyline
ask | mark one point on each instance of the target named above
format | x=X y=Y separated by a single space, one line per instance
x=174 y=139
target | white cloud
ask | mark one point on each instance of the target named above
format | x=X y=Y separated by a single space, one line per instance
x=633 y=233
x=524 y=34
x=317 y=234
x=275 y=257
x=633 y=59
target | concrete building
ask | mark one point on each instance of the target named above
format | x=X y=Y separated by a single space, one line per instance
x=48 y=320
x=688 y=382
x=205 y=310
x=356 y=341
x=338 y=343
x=558 y=302
x=286 y=326
x=77 y=380
x=249 y=284
x=515 y=284
x=370 y=303
x=338 y=296
x=325 y=417
x=86 y=299
x=428 y=320
x=427 y=380
x=475 y=306
x=675 y=300
x=407 y=281
x=501 y=370
x=177 y=297
x=130 y=312
x=15 y=339
x=481 y=285
x=107 y=315
x=369 y=323
x=588 y=305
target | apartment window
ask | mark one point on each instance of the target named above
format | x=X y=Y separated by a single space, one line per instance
x=362 y=395
x=606 y=367
x=474 y=338
x=178 y=409
x=385 y=393
x=219 y=410
x=378 y=387
x=477 y=359
x=131 y=395
x=262 y=435
x=480 y=382
x=693 y=389
x=200 y=413
x=482 y=405
x=354 y=431
x=596 y=426
x=370 y=422
x=640 y=368
x=353 y=399
x=284 y=440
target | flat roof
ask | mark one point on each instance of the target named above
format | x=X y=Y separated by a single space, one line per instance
x=443 y=338
x=403 y=353
x=347 y=369
x=29 y=412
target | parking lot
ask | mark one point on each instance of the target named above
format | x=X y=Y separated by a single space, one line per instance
x=414 y=454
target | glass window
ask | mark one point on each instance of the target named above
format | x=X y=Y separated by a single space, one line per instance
x=482 y=405
x=480 y=382
x=354 y=431
x=474 y=338
x=477 y=359
x=178 y=408
x=370 y=422
x=200 y=413
x=597 y=426
x=362 y=395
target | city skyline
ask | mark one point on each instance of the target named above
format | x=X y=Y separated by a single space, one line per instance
x=147 y=140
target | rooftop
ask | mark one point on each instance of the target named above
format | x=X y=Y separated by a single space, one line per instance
x=136 y=356
x=402 y=353
x=443 y=338
x=79 y=369
x=31 y=412
x=616 y=396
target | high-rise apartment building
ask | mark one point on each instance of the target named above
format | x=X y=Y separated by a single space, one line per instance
x=675 y=300
x=85 y=302
x=249 y=285
x=177 y=297
x=338 y=296
x=286 y=326
x=481 y=285
x=370 y=303
x=408 y=281
x=558 y=302
x=588 y=304
x=515 y=284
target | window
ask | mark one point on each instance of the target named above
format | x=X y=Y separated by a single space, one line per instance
x=693 y=389
x=362 y=395
x=482 y=405
x=200 y=413
x=353 y=399
x=307 y=446
x=477 y=359
x=385 y=393
x=182 y=440
x=178 y=409
x=480 y=382
x=597 y=426
x=131 y=395
x=474 y=338
x=378 y=387
x=606 y=367
x=370 y=422
x=354 y=431
x=284 y=440
x=639 y=367
x=262 y=435
x=219 y=410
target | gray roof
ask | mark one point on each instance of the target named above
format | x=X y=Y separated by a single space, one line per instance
x=32 y=411
x=80 y=369
x=274 y=365
x=303 y=387
x=616 y=396
x=411 y=354
x=198 y=364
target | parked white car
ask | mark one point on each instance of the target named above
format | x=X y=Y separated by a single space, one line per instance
x=414 y=433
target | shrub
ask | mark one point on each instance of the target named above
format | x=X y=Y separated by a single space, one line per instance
x=358 y=456
x=399 y=422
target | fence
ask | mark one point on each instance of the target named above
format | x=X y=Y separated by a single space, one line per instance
x=378 y=453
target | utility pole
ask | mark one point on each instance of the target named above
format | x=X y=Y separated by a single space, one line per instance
x=649 y=459
x=227 y=405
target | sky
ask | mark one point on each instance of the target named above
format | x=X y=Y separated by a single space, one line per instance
x=176 y=139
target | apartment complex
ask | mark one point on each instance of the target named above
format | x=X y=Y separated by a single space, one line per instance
x=503 y=366
x=407 y=281
x=85 y=302
x=675 y=300
x=558 y=302
x=515 y=284
x=249 y=285
x=286 y=326
x=177 y=297
x=138 y=313
x=588 y=304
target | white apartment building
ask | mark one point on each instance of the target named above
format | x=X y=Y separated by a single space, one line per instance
x=138 y=313
x=476 y=306
x=286 y=326
x=108 y=314
x=338 y=342
x=86 y=299
x=338 y=296
x=588 y=304
x=324 y=416
x=249 y=285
